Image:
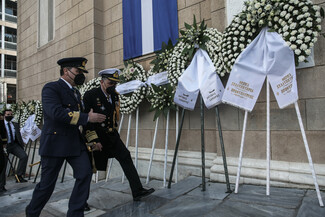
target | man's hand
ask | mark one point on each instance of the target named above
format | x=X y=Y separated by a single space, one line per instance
x=95 y=117
x=97 y=147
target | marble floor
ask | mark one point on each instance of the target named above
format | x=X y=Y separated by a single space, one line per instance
x=185 y=198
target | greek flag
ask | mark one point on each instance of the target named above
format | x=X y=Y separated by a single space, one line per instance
x=146 y=24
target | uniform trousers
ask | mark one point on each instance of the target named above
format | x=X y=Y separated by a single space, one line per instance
x=50 y=170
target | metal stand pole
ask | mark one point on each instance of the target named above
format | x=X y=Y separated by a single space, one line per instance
x=241 y=152
x=32 y=161
x=127 y=140
x=176 y=149
x=152 y=150
x=202 y=143
x=176 y=127
x=64 y=168
x=166 y=148
x=223 y=151
x=303 y=133
x=38 y=169
x=136 y=137
x=111 y=160
x=268 y=145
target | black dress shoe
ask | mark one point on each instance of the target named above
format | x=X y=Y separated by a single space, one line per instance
x=142 y=193
x=3 y=189
x=87 y=208
x=21 y=179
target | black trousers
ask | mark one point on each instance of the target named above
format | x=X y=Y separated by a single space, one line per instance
x=50 y=170
x=113 y=147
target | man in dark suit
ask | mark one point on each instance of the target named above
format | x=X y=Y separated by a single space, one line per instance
x=61 y=138
x=105 y=100
x=12 y=141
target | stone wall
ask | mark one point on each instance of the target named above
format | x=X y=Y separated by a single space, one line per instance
x=94 y=29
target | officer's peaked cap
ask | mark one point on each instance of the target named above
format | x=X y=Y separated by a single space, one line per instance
x=111 y=74
x=77 y=62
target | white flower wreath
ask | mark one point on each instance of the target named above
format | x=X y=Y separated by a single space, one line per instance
x=297 y=21
x=129 y=102
x=161 y=97
x=93 y=83
x=208 y=39
x=24 y=110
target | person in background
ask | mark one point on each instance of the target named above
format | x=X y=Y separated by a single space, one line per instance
x=13 y=143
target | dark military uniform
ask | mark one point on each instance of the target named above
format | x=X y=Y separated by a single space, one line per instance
x=107 y=135
x=61 y=140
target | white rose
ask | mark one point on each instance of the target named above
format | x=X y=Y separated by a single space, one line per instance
x=292 y=38
x=287 y=16
x=294 y=32
x=297 y=51
x=293 y=25
x=285 y=34
x=295 y=12
x=288 y=43
x=293 y=46
x=303 y=47
x=307 y=39
x=301 y=58
x=308 y=52
x=299 y=41
x=257 y=5
x=276 y=19
x=305 y=9
x=283 y=13
x=285 y=28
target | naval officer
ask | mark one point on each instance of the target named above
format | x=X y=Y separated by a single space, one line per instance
x=105 y=100
x=61 y=138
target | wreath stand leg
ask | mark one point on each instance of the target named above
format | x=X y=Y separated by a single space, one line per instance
x=32 y=161
x=127 y=139
x=176 y=148
x=202 y=146
x=177 y=121
x=241 y=152
x=202 y=143
x=303 y=133
x=111 y=160
x=268 y=146
x=64 y=168
x=136 y=137
x=152 y=150
x=223 y=151
x=166 y=148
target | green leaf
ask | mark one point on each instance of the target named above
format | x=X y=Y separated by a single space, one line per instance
x=166 y=109
x=155 y=88
x=322 y=12
x=194 y=22
x=157 y=114
x=187 y=26
x=271 y=30
x=191 y=51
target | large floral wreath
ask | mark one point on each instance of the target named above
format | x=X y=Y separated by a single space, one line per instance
x=297 y=21
x=93 y=83
x=161 y=97
x=194 y=37
x=132 y=71
x=23 y=110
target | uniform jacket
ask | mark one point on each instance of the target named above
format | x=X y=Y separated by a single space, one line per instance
x=62 y=117
x=4 y=134
x=105 y=132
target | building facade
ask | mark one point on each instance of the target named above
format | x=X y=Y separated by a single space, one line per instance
x=93 y=29
x=8 y=51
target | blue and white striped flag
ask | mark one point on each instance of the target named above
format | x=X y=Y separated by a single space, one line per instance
x=146 y=24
